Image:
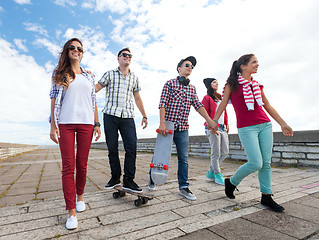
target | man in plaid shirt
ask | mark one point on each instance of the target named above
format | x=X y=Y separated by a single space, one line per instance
x=122 y=87
x=176 y=100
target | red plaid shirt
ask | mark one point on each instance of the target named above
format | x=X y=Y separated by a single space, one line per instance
x=177 y=100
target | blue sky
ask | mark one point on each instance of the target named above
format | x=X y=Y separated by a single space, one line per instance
x=283 y=35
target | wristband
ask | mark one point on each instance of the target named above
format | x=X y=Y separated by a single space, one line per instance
x=145 y=118
x=216 y=121
x=97 y=124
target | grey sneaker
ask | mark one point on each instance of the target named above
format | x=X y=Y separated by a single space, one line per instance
x=186 y=193
x=151 y=185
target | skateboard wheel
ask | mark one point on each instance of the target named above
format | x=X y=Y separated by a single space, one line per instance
x=144 y=200
x=138 y=202
x=116 y=194
x=170 y=131
x=165 y=167
x=122 y=194
x=152 y=165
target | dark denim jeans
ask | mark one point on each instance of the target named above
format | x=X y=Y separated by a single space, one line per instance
x=181 y=141
x=126 y=126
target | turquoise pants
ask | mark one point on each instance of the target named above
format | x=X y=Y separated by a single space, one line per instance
x=257 y=141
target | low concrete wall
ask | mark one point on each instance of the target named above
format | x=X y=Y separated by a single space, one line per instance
x=10 y=149
x=300 y=150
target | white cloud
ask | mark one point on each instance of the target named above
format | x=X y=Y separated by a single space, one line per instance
x=20 y=43
x=50 y=46
x=64 y=3
x=162 y=32
x=283 y=38
x=24 y=95
x=33 y=27
x=23 y=1
x=117 y=6
x=88 y=4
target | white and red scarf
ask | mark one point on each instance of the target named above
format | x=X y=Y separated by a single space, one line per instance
x=249 y=95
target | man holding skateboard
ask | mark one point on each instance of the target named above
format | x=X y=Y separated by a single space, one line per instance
x=122 y=86
x=176 y=100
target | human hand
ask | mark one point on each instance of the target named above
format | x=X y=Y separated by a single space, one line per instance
x=287 y=130
x=97 y=133
x=212 y=126
x=54 y=134
x=162 y=129
x=144 y=122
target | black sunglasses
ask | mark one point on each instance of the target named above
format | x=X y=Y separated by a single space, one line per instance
x=72 y=47
x=127 y=55
x=189 y=65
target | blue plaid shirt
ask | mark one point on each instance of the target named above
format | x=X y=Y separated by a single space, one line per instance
x=58 y=93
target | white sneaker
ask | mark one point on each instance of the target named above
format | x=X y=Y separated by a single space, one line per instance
x=71 y=223
x=80 y=206
x=185 y=192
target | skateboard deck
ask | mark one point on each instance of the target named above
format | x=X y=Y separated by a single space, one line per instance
x=162 y=154
x=142 y=198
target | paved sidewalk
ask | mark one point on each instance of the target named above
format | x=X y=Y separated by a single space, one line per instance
x=32 y=204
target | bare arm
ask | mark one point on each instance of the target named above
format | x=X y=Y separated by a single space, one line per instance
x=98 y=87
x=140 y=106
x=221 y=108
x=204 y=114
x=54 y=131
x=162 y=127
x=286 y=129
x=97 y=130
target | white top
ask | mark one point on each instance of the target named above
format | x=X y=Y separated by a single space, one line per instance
x=77 y=103
x=221 y=118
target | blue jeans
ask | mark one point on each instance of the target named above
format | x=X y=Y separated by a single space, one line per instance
x=126 y=127
x=181 y=141
x=257 y=141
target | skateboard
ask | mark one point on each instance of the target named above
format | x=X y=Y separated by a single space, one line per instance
x=142 y=198
x=162 y=153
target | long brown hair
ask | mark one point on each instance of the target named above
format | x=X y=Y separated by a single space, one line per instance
x=232 y=80
x=213 y=94
x=63 y=75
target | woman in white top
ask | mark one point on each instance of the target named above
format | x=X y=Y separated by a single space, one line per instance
x=74 y=116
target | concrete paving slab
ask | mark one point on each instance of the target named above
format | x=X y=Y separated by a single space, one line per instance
x=302 y=211
x=204 y=234
x=284 y=223
x=168 y=216
x=239 y=229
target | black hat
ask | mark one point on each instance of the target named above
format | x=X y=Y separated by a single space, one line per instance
x=208 y=81
x=190 y=58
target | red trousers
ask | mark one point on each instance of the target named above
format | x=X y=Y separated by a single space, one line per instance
x=83 y=134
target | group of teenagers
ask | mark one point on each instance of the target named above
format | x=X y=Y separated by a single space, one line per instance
x=74 y=119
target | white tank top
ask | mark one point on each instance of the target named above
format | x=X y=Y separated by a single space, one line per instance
x=221 y=118
x=77 y=102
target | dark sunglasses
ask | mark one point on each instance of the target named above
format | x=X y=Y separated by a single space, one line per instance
x=72 y=47
x=127 y=55
x=189 y=65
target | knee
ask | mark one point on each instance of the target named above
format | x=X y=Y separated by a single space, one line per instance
x=256 y=166
x=224 y=155
x=67 y=170
x=183 y=161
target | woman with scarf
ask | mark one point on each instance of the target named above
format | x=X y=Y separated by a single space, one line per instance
x=254 y=127
x=74 y=116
